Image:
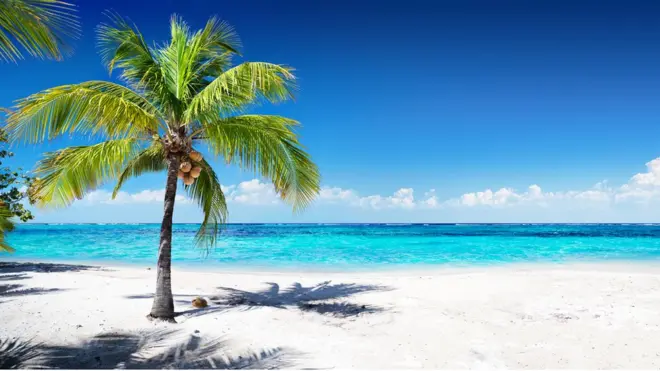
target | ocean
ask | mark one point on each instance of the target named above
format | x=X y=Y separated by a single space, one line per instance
x=340 y=246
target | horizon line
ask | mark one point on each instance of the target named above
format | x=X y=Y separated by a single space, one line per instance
x=364 y=223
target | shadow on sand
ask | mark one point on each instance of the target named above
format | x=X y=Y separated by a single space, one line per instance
x=17 y=267
x=16 y=271
x=146 y=349
x=322 y=298
x=13 y=290
x=180 y=299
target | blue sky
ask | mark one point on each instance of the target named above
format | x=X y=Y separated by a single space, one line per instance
x=398 y=99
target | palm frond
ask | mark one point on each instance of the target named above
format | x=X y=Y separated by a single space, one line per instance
x=150 y=160
x=6 y=225
x=88 y=108
x=176 y=65
x=40 y=27
x=190 y=59
x=68 y=174
x=211 y=68
x=216 y=38
x=267 y=145
x=208 y=193
x=240 y=86
x=212 y=50
x=123 y=47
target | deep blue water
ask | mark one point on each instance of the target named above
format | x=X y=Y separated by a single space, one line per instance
x=341 y=246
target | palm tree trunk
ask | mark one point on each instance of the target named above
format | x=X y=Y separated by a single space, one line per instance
x=163 y=306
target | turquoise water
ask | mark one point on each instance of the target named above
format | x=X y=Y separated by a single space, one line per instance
x=341 y=246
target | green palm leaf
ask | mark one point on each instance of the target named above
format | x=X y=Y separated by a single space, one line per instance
x=189 y=58
x=267 y=145
x=241 y=86
x=216 y=38
x=88 y=108
x=123 y=47
x=6 y=225
x=151 y=159
x=68 y=174
x=213 y=48
x=40 y=27
x=208 y=193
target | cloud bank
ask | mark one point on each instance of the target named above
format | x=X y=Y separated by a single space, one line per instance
x=641 y=190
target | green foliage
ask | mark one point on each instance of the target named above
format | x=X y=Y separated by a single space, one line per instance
x=68 y=174
x=40 y=27
x=93 y=107
x=11 y=197
x=208 y=194
x=150 y=160
x=179 y=94
x=11 y=182
x=241 y=86
x=267 y=145
x=6 y=225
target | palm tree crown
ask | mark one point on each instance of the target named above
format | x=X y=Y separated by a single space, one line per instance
x=177 y=98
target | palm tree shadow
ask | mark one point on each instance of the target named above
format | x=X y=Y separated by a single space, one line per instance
x=343 y=309
x=16 y=271
x=184 y=299
x=14 y=277
x=181 y=299
x=17 y=267
x=196 y=312
x=15 y=353
x=147 y=349
x=13 y=290
x=313 y=298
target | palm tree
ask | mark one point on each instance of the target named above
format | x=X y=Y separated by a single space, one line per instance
x=40 y=27
x=178 y=96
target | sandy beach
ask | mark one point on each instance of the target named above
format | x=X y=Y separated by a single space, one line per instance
x=533 y=316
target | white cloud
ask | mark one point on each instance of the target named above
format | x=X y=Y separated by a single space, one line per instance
x=403 y=198
x=503 y=196
x=642 y=188
x=431 y=201
x=534 y=195
x=252 y=192
x=143 y=197
x=650 y=178
x=336 y=195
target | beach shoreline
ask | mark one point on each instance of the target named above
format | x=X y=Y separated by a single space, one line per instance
x=595 y=315
x=639 y=265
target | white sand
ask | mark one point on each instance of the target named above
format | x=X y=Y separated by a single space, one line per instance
x=588 y=316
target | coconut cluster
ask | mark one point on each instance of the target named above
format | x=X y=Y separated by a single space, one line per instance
x=189 y=170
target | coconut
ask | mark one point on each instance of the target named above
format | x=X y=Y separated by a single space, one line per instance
x=180 y=174
x=199 y=302
x=195 y=156
x=185 y=166
x=195 y=171
x=188 y=180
